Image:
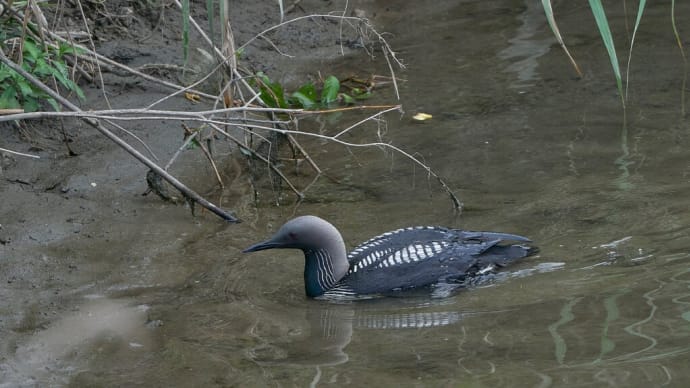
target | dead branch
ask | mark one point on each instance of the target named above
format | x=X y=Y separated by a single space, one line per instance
x=204 y=117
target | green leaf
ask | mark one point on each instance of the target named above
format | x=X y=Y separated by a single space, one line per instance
x=267 y=97
x=605 y=32
x=277 y=90
x=8 y=98
x=308 y=90
x=361 y=94
x=72 y=86
x=42 y=68
x=546 y=4
x=64 y=48
x=347 y=99
x=77 y=89
x=305 y=96
x=61 y=73
x=302 y=100
x=53 y=103
x=271 y=92
x=329 y=94
x=56 y=72
x=31 y=51
x=30 y=104
x=61 y=67
x=24 y=87
x=6 y=73
x=640 y=11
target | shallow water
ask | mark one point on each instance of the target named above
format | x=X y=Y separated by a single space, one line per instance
x=529 y=149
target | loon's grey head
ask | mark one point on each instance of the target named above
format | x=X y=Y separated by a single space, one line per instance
x=308 y=233
x=324 y=251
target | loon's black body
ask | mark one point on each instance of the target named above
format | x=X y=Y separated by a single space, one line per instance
x=398 y=260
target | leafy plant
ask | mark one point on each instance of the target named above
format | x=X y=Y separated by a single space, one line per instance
x=271 y=91
x=43 y=62
x=306 y=96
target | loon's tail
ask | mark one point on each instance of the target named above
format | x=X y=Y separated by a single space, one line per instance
x=502 y=255
x=531 y=251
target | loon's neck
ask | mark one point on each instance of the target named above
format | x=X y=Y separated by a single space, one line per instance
x=323 y=269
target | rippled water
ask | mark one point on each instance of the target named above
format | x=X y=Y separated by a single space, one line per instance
x=530 y=149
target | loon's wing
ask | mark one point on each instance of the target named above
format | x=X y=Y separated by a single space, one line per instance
x=415 y=257
x=420 y=242
x=409 y=244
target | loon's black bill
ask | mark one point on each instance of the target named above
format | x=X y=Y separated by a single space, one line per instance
x=262 y=246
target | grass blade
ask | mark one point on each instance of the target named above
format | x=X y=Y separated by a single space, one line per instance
x=282 y=10
x=605 y=32
x=640 y=11
x=185 y=29
x=211 y=20
x=557 y=33
x=682 y=53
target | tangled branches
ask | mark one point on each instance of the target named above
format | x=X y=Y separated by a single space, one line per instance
x=239 y=112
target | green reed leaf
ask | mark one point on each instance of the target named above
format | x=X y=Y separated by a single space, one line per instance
x=605 y=32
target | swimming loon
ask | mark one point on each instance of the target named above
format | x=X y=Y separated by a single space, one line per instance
x=398 y=260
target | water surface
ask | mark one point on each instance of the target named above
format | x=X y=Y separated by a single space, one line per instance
x=530 y=149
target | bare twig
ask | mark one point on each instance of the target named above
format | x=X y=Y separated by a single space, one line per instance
x=19 y=153
x=228 y=50
x=456 y=202
x=152 y=114
x=398 y=108
x=99 y=73
x=202 y=117
x=272 y=166
x=207 y=152
x=189 y=132
x=10 y=111
x=311 y=162
x=108 y=61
